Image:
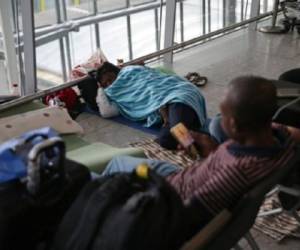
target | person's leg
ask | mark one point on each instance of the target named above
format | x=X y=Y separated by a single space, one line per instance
x=216 y=130
x=178 y=112
x=128 y=164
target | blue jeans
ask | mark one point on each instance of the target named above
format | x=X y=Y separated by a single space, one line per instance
x=215 y=129
x=128 y=164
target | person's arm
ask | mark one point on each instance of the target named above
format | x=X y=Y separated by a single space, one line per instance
x=106 y=108
x=204 y=143
x=295 y=133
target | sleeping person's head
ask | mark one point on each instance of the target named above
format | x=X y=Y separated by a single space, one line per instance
x=107 y=74
x=248 y=107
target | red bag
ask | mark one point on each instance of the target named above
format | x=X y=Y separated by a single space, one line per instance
x=67 y=97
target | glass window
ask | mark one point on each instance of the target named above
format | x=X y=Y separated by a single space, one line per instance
x=113 y=39
x=79 y=8
x=192 y=16
x=110 y=5
x=44 y=12
x=216 y=15
x=4 y=87
x=3 y=70
x=143 y=40
x=48 y=62
x=266 y=5
x=9 y=64
x=137 y=2
x=83 y=44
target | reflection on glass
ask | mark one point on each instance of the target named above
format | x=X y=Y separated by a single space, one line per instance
x=143 y=40
x=192 y=16
x=79 y=8
x=82 y=44
x=113 y=38
x=44 y=12
x=48 y=62
x=9 y=64
x=4 y=87
x=197 y=17
x=3 y=70
x=109 y=5
x=266 y=5
x=137 y=2
x=216 y=15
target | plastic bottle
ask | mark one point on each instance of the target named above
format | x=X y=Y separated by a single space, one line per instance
x=15 y=89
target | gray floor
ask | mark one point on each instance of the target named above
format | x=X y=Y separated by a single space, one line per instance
x=239 y=53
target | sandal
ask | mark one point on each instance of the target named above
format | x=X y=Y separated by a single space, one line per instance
x=196 y=79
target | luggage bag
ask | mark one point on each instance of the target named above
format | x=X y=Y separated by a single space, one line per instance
x=32 y=206
x=125 y=211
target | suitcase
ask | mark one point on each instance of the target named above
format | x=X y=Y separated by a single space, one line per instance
x=32 y=206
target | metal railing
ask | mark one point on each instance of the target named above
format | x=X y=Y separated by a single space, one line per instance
x=204 y=37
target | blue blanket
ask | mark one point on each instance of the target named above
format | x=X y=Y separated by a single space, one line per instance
x=140 y=91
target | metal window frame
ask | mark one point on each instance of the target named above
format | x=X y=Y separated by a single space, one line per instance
x=169 y=31
x=6 y=15
x=254 y=11
x=29 y=85
x=61 y=41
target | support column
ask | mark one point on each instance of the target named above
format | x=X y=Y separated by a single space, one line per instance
x=6 y=22
x=254 y=11
x=169 y=31
x=30 y=84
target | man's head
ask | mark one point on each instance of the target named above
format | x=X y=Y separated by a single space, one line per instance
x=107 y=74
x=248 y=106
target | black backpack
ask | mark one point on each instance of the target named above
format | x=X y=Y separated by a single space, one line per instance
x=88 y=91
x=124 y=212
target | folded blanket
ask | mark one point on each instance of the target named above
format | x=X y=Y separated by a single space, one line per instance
x=140 y=91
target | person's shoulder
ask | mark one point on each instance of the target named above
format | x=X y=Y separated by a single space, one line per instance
x=280 y=127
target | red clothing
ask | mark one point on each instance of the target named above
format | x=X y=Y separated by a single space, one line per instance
x=220 y=180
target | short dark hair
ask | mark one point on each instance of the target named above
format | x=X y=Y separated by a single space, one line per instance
x=252 y=101
x=105 y=68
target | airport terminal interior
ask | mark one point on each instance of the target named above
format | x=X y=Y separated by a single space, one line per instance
x=47 y=46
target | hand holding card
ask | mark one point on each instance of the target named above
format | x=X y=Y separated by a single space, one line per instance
x=183 y=136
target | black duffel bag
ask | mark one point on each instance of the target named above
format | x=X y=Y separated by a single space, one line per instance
x=126 y=211
x=34 y=200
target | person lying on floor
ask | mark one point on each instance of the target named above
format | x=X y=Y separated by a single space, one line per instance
x=255 y=149
x=140 y=93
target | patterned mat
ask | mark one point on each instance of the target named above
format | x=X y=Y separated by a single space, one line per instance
x=154 y=151
x=276 y=226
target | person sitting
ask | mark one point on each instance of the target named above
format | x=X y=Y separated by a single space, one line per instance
x=141 y=93
x=255 y=148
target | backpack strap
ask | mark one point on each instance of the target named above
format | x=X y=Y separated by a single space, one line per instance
x=95 y=209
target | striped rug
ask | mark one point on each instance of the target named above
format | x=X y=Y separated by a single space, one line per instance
x=276 y=226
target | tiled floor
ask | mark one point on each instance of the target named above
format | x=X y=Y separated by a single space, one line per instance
x=239 y=53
